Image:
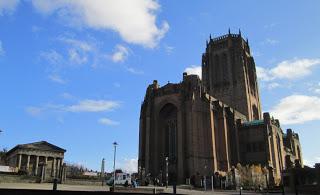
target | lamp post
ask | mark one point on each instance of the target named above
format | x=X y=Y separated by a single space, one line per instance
x=167 y=174
x=114 y=165
x=205 y=178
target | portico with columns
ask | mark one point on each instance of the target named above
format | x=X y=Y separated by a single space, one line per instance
x=38 y=159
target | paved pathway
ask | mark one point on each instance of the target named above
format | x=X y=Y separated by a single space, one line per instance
x=48 y=186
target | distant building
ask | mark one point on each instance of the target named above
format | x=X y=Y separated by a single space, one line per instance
x=91 y=173
x=207 y=126
x=38 y=158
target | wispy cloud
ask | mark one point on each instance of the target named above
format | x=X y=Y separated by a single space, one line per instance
x=134 y=71
x=168 y=49
x=8 y=6
x=107 y=121
x=79 y=50
x=134 y=21
x=120 y=54
x=269 y=41
x=93 y=106
x=194 y=70
x=273 y=85
x=57 y=79
x=53 y=60
x=297 y=109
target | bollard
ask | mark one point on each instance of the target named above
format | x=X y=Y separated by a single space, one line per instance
x=154 y=191
x=211 y=183
x=240 y=190
x=55 y=184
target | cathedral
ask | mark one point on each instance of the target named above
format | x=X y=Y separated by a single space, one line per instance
x=208 y=125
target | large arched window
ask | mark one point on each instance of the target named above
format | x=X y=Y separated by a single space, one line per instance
x=168 y=116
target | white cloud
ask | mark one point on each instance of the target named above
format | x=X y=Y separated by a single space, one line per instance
x=288 y=69
x=130 y=165
x=311 y=162
x=135 y=21
x=121 y=53
x=194 y=70
x=82 y=106
x=57 y=79
x=263 y=74
x=93 y=106
x=108 y=122
x=1 y=49
x=8 y=6
x=297 y=109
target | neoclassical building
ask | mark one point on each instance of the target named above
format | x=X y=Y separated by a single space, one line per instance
x=38 y=159
x=206 y=126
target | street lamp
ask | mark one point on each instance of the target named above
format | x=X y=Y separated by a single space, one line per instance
x=205 y=178
x=167 y=174
x=114 y=164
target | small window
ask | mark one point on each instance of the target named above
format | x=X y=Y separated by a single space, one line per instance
x=124 y=177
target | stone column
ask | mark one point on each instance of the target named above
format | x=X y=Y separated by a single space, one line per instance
x=53 y=173
x=58 y=168
x=61 y=167
x=28 y=162
x=37 y=164
x=19 y=161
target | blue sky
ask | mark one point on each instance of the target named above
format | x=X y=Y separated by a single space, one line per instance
x=74 y=73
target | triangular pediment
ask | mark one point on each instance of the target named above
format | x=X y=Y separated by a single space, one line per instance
x=42 y=145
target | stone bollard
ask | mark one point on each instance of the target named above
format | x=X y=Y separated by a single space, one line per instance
x=154 y=190
x=55 y=184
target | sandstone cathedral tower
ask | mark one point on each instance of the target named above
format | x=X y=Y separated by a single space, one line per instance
x=205 y=127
